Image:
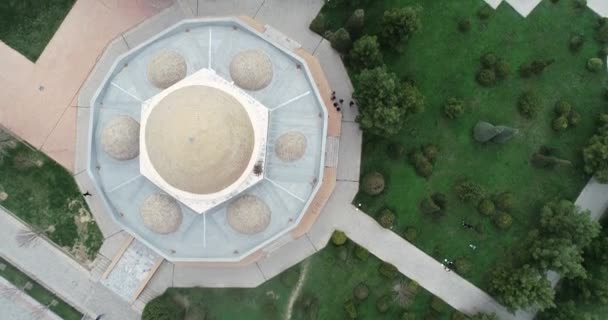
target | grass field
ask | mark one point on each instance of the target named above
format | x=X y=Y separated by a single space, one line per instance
x=443 y=63
x=28 y=25
x=45 y=195
x=39 y=293
x=327 y=281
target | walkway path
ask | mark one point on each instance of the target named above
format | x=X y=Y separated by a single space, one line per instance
x=60 y=274
x=17 y=305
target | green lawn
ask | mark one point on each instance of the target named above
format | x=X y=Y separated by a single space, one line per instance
x=38 y=292
x=28 y=25
x=329 y=277
x=45 y=195
x=443 y=63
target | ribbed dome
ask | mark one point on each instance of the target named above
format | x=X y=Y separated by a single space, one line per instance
x=248 y=214
x=251 y=70
x=166 y=69
x=290 y=146
x=161 y=213
x=199 y=139
x=120 y=138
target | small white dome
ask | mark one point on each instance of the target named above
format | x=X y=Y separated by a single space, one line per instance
x=166 y=69
x=251 y=69
x=248 y=214
x=161 y=213
x=120 y=138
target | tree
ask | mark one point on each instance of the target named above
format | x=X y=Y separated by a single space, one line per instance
x=453 y=108
x=398 y=25
x=563 y=220
x=355 y=23
x=529 y=104
x=366 y=53
x=522 y=288
x=163 y=308
x=387 y=218
x=319 y=24
x=338 y=238
x=373 y=183
x=484 y=316
x=564 y=311
x=559 y=255
x=384 y=105
x=341 y=41
x=595 y=154
x=413 y=98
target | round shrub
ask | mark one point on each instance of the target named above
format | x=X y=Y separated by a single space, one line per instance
x=595 y=64
x=467 y=190
x=504 y=201
x=387 y=218
x=361 y=253
x=576 y=42
x=355 y=23
x=462 y=265
x=486 y=207
x=503 y=220
x=163 y=308
x=396 y=151
x=489 y=60
x=340 y=40
x=388 y=270
x=338 y=238
x=560 y=123
x=453 y=108
x=373 y=183
x=528 y=104
x=361 y=291
x=365 y=53
x=562 y=107
x=319 y=24
x=410 y=234
x=502 y=69
x=431 y=152
x=484 y=12
x=574 y=118
x=440 y=200
x=486 y=77
x=464 y=25
x=383 y=303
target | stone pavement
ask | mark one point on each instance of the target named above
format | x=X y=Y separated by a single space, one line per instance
x=17 y=305
x=63 y=276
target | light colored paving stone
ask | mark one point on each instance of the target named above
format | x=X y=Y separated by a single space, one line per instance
x=599 y=6
x=162 y=279
x=114 y=49
x=338 y=78
x=156 y=24
x=493 y=3
x=292 y=17
x=286 y=257
x=523 y=7
x=349 y=160
x=17 y=305
x=83 y=122
x=113 y=244
x=208 y=8
x=248 y=276
x=60 y=144
x=103 y=219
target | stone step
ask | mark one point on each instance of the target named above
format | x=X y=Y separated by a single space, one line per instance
x=100 y=266
x=332 y=149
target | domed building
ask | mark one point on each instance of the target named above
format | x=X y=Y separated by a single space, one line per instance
x=207 y=141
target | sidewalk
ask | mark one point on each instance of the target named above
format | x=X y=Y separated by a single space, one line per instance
x=60 y=274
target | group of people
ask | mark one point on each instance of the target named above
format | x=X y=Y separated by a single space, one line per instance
x=339 y=103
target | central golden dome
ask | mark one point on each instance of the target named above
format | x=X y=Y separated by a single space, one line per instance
x=199 y=139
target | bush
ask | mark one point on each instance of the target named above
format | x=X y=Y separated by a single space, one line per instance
x=428 y=206
x=338 y=238
x=319 y=24
x=350 y=308
x=396 y=151
x=502 y=69
x=489 y=60
x=423 y=166
x=453 y=108
x=464 y=25
x=576 y=42
x=388 y=270
x=440 y=200
x=383 y=303
x=365 y=53
x=361 y=253
x=503 y=220
x=340 y=40
x=430 y=152
x=562 y=107
x=410 y=234
x=373 y=183
x=355 y=23
x=398 y=25
x=163 y=308
x=361 y=291
x=486 y=207
x=462 y=265
x=467 y=190
x=387 y=218
x=595 y=64
x=560 y=123
x=504 y=201
x=486 y=77
x=529 y=104
x=574 y=118
x=484 y=12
